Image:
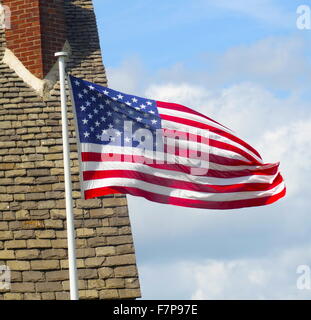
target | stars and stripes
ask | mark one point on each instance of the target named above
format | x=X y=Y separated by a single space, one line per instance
x=152 y=149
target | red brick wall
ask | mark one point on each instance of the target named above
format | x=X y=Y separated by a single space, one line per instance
x=37 y=32
x=53 y=29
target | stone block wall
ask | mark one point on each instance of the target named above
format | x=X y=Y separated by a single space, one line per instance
x=33 y=235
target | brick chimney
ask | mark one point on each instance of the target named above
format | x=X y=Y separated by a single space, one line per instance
x=38 y=30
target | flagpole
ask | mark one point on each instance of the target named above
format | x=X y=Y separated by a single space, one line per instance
x=73 y=275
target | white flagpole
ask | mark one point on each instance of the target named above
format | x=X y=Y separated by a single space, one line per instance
x=73 y=276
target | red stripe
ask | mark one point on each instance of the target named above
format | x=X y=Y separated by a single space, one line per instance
x=221 y=205
x=93 y=156
x=220 y=132
x=178 y=184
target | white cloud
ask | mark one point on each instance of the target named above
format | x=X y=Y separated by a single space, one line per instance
x=263 y=10
x=267 y=277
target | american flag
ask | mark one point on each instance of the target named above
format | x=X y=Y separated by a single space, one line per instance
x=166 y=153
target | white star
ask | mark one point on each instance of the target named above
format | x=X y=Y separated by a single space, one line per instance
x=149 y=103
x=95 y=111
x=103 y=119
x=101 y=106
x=117 y=121
x=106 y=92
x=86 y=134
x=97 y=124
x=82 y=108
x=93 y=99
x=134 y=100
x=113 y=139
x=80 y=95
x=116 y=109
x=139 y=119
x=104 y=131
x=143 y=106
x=99 y=95
x=90 y=116
x=92 y=129
x=137 y=108
x=77 y=83
x=118 y=133
x=88 y=103
x=98 y=136
x=128 y=103
x=85 y=91
x=120 y=96
x=107 y=101
x=127 y=139
x=152 y=112
x=110 y=126
x=109 y=113
x=85 y=121
x=115 y=98
x=154 y=121
x=91 y=87
x=131 y=112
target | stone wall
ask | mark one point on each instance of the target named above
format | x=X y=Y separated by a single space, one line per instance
x=32 y=208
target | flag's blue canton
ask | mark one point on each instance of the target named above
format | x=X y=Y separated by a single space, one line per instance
x=100 y=109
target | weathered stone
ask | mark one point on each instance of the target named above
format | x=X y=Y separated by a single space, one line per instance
x=33 y=276
x=128 y=293
x=109 y=294
x=94 y=262
x=45 y=234
x=45 y=264
x=32 y=296
x=115 y=283
x=96 y=284
x=27 y=254
x=102 y=212
x=119 y=240
x=85 y=232
x=107 y=231
x=6 y=235
x=49 y=286
x=24 y=234
x=105 y=272
x=126 y=259
x=93 y=203
x=38 y=243
x=105 y=251
x=57 y=275
x=19 y=265
x=54 y=254
x=7 y=254
x=124 y=272
x=15 y=244
x=88 y=294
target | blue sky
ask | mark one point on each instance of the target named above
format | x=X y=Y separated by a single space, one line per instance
x=245 y=64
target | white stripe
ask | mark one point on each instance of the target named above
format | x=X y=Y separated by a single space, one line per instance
x=167 y=174
x=180 y=193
